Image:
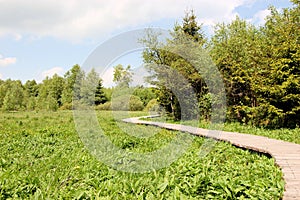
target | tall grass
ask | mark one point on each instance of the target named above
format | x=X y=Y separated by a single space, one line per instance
x=42 y=157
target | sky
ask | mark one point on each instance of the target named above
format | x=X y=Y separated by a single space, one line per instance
x=41 y=38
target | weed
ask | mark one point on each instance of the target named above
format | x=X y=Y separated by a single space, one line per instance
x=45 y=159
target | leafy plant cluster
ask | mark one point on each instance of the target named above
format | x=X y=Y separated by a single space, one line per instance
x=61 y=92
x=259 y=66
x=127 y=98
x=259 y=69
x=42 y=157
x=53 y=93
x=285 y=134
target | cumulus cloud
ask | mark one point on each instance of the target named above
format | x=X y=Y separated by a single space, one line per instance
x=1 y=76
x=138 y=78
x=52 y=71
x=76 y=20
x=17 y=37
x=107 y=77
x=260 y=17
x=7 y=61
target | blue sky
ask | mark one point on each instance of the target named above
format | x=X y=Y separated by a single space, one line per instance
x=40 y=38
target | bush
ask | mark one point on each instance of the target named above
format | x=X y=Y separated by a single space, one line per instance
x=135 y=103
x=152 y=106
x=66 y=106
x=31 y=103
x=105 y=106
x=144 y=93
x=126 y=103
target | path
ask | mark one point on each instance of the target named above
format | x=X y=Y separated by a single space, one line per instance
x=286 y=154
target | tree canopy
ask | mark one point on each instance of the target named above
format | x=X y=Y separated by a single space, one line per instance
x=259 y=66
x=260 y=69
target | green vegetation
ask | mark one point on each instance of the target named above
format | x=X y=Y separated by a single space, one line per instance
x=260 y=67
x=42 y=157
x=122 y=76
x=285 y=134
x=289 y=135
x=58 y=92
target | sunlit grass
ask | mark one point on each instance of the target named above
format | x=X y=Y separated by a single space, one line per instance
x=285 y=134
x=42 y=157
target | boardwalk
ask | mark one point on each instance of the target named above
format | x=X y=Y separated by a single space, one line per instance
x=286 y=154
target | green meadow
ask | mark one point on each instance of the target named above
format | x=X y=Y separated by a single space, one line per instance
x=42 y=157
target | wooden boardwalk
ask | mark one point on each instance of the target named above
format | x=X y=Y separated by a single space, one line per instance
x=286 y=154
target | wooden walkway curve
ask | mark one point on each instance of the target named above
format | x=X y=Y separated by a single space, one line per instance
x=286 y=154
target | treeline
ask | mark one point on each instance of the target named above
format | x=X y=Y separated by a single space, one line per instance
x=59 y=92
x=128 y=98
x=259 y=66
x=53 y=93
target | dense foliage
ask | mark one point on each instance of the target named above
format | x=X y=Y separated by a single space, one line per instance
x=169 y=70
x=42 y=157
x=260 y=68
x=53 y=93
x=57 y=92
x=285 y=134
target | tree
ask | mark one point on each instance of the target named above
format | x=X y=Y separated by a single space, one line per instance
x=31 y=88
x=122 y=76
x=50 y=103
x=191 y=28
x=56 y=88
x=13 y=99
x=144 y=93
x=50 y=93
x=4 y=87
x=91 y=89
x=261 y=69
x=165 y=62
x=100 y=97
x=280 y=90
x=31 y=92
x=72 y=79
x=236 y=50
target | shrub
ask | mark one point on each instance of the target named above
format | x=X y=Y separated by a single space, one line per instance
x=135 y=103
x=152 y=106
x=66 y=106
x=105 y=106
x=126 y=103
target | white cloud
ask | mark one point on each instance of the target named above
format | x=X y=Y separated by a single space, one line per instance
x=7 y=61
x=17 y=37
x=249 y=3
x=52 y=71
x=139 y=74
x=76 y=21
x=1 y=76
x=260 y=17
x=107 y=77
